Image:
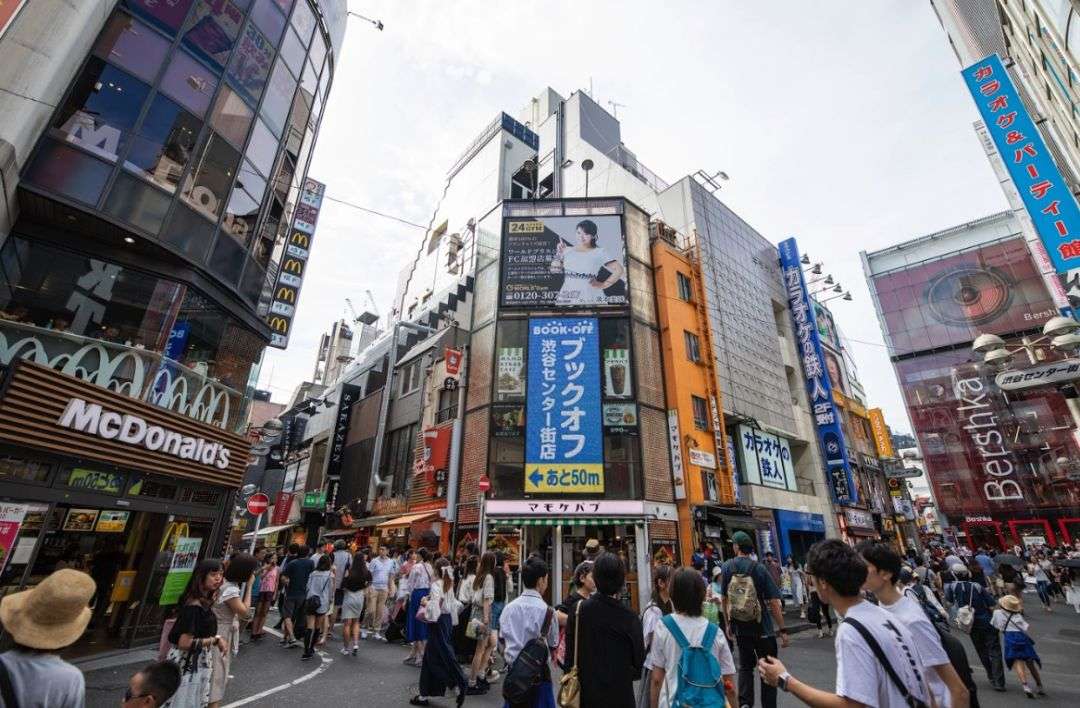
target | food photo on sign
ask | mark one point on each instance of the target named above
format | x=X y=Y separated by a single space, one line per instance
x=564 y=261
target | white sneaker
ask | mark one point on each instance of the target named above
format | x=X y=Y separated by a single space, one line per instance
x=821 y=634
x=380 y=637
x=363 y=634
x=345 y=651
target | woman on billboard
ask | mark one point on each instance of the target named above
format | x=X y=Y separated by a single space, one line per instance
x=581 y=266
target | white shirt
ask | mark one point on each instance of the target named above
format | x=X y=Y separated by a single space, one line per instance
x=927 y=643
x=486 y=593
x=649 y=619
x=44 y=680
x=859 y=675
x=380 y=572
x=665 y=652
x=522 y=621
x=1015 y=621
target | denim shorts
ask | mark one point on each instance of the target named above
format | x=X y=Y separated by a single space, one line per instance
x=496 y=612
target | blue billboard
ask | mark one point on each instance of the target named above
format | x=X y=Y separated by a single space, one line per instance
x=564 y=444
x=1046 y=195
x=818 y=386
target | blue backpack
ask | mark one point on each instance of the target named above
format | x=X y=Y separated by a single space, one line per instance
x=701 y=685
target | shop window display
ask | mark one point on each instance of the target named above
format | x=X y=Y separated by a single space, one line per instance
x=163 y=143
x=212 y=30
x=101 y=109
x=132 y=46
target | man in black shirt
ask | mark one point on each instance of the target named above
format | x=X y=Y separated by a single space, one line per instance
x=756 y=640
x=294 y=577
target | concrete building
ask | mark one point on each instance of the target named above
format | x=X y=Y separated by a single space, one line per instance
x=334 y=354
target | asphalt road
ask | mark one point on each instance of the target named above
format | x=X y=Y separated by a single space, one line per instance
x=265 y=674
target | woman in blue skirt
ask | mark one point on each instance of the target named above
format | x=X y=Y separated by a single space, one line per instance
x=440 y=669
x=1020 y=654
x=416 y=630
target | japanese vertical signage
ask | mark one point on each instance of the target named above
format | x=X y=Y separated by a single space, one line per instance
x=819 y=390
x=882 y=441
x=766 y=459
x=564 y=436
x=294 y=261
x=1046 y=195
x=350 y=394
x=11 y=518
x=678 y=477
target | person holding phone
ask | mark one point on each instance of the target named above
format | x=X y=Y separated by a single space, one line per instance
x=580 y=265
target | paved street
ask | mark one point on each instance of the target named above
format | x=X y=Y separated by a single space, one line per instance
x=267 y=675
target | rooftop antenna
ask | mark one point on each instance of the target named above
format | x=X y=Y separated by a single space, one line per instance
x=615 y=108
x=377 y=24
x=710 y=180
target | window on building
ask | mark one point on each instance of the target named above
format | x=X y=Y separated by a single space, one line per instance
x=436 y=236
x=701 y=412
x=615 y=355
x=163 y=143
x=398 y=458
x=166 y=15
x=447 y=410
x=132 y=46
x=622 y=466
x=231 y=117
x=251 y=63
x=190 y=83
x=267 y=16
x=410 y=377
x=693 y=346
x=208 y=185
x=212 y=30
x=510 y=351
x=685 y=292
x=101 y=110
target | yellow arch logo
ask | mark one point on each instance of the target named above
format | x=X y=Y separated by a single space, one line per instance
x=301 y=239
x=288 y=294
x=293 y=265
x=279 y=324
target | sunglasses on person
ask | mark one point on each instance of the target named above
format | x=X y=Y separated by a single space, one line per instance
x=129 y=696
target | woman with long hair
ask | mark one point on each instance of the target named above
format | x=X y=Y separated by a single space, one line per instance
x=659 y=606
x=439 y=669
x=229 y=606
x=268 y=584
x=320 y=594
x=419 y=587
x=352 y=603
x=194 y=636
x=580 y=265
x=483 y=595
x=464 y=646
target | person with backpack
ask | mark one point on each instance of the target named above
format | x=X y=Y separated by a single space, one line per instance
x=754 y=615
x=659 y=607
x=530 y=632
x=883 y=571
x=876 y=660
x=973 y=607
x=690 y=658
x=604 y=643
x=1019 y=646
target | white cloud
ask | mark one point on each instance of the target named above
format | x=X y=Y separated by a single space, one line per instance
x=845 y=124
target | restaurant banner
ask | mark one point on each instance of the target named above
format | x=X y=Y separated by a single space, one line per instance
x=282 y=506
x=293 y=265
x=882 y=439
x=350 y=394
x=185 y=555
x=564 y=444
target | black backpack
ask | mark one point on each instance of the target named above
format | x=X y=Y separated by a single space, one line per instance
x=529 y=666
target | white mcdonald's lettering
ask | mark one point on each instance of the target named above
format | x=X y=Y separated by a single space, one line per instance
x=92 y=419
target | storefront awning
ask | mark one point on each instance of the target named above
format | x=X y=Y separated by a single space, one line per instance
x=340 y=533
x=370 y=521
x=556 y=521
x=267 y=531
x=407 y=520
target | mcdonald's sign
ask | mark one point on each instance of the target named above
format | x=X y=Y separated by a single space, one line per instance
x=294 y=263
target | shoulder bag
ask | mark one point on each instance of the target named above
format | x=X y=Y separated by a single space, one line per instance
x=529 y=667
x=912 y=701
x=570 y=684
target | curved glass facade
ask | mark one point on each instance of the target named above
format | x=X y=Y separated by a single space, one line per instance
x=191 y=123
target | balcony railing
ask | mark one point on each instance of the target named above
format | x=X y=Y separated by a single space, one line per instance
x=131 y=371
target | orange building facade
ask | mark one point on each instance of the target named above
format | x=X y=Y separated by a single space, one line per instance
x=702 y=467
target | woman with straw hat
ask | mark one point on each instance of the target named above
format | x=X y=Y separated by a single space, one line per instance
x=42 y=621
x=1019 y=646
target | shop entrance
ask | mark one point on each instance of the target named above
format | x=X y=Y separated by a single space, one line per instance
x=128 y=554
x=986 y=534
x=619 y=539
x=800 y=542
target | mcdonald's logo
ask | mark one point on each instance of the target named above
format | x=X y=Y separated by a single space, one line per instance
x=293 y=265
x=288 y=294
x=279 y=323
x=301 y=239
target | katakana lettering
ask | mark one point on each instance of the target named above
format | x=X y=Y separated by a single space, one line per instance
x=998 y=103
x=1006 y=119
x=1032 y=171
x=572 y=419
x=577 y=345
x=575 y=390
x=990 y=87
x=1052 y=208
x=1039 y=189
x=579 y=443
x=983 y=73
x=1013 y=137
x=1028 y=150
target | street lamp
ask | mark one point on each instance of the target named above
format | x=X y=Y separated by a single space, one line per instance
x=377 y=24
x=1061 y=334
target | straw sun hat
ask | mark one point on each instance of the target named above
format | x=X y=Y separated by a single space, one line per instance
x=1010 y=603
x=51 y=615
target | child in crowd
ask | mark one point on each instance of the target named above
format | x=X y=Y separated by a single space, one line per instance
x=1019 y=651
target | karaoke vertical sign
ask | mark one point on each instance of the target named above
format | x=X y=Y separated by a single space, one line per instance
x=293 y=264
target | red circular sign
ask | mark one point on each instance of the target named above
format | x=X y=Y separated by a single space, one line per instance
x=484 y=484
x=257 y=504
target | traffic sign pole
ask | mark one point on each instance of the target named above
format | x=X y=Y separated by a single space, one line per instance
x=255 y=533
x=257 y=504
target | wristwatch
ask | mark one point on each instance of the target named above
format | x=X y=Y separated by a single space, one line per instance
x=782 y=681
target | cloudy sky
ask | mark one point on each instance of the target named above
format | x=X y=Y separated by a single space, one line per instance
x=844 y=123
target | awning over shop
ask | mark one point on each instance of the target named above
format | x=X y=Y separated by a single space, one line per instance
x=267 y=531
x=557 y=521
x=341 y=533
x=370 y=521
x=407 y=520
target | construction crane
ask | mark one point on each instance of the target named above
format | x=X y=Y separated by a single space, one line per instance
x=367 y=317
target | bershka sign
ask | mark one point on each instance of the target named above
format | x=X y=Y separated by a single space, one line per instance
x=981 y=424
x=93 y=419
